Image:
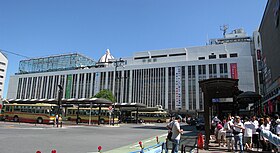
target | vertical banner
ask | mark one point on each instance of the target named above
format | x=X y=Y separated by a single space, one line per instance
x=97 y=83
x=1 y=105
x=233 y=70
x=178 y=86
x=68 y=86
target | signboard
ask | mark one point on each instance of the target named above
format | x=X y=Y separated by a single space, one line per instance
x=97 y=83
x=233 y=70
x=178 y=88
x=222 y=100
x=68 y=86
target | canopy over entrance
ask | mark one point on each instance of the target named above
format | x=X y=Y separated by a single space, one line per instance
x=216 y=88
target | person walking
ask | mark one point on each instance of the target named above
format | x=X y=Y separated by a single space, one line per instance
x=238 y=129
x=229 y=135
x=176 y=133
x=248 y=133
x=264 y=141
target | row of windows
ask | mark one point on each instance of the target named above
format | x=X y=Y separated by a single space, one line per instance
x=213 y=56
x=28 y=109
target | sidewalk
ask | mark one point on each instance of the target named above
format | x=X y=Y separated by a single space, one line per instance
x=214 y=148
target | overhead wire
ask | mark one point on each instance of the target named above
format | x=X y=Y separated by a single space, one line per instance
x=17 y=54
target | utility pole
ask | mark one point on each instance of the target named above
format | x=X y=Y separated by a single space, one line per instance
x=117 y=63
x=60 y=93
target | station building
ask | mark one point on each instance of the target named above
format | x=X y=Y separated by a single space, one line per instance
x=167 y=78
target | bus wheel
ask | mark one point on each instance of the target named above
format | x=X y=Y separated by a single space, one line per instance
x=16 y=118
x=39 y=120
x=102 y=121
x=159 y=121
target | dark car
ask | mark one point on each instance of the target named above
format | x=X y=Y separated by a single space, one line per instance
x=200 y=124
x=129 y=119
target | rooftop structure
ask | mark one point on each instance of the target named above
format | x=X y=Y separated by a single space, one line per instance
x=55 y=63
x=237 y=35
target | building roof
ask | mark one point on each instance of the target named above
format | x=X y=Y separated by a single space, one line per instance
x=106 y=57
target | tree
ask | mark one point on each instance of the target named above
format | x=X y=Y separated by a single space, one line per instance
x=106 y=94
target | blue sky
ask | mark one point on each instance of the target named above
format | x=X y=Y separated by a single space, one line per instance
x=36 y=28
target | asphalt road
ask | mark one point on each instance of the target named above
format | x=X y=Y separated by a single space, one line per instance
x=28 y=138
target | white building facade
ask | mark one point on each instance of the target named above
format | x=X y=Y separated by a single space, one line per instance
x=3 y=71
x=161 y=77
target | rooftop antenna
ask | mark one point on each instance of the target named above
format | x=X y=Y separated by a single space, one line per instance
x=224 y=29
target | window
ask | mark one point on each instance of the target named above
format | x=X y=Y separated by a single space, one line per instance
x=233 y=55
x=212 y=56
x=144 y=57
x=180 y=54
x=158 y=56
x=201 y=58
x=2 y=70
x=1 y=76
x=223 y=56
x=1 y=63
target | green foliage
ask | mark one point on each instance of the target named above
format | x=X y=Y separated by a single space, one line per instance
x=106 y=94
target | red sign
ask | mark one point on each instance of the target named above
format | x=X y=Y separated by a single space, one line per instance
x=0 y=106
x=233 y=70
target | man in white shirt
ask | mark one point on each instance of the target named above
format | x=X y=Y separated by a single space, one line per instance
x=264 y=141
x=248 y=132
x=238 y=135
x=176 y=133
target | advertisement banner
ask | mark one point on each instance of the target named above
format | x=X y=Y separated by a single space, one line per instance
x=178 y=88
x=1 y=105
x=68 y=86
x=233 y=70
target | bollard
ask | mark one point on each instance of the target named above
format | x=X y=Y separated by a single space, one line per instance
x=141 y=146
x=38 y=151
x=200 y=141
x=99 y=148
x=53 y=151
x=157 y=140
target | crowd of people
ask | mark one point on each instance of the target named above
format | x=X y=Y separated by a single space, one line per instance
x=242 y=133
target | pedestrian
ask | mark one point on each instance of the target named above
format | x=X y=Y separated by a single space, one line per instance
x=278 y=127
x=229 y=135
x=255 y=135
x=264 y=141
x=238 y=128
x=248 y=133
x=221 y=134
x=176 y=133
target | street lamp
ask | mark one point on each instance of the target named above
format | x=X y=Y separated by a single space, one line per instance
x=60 y=93
x=117 y=64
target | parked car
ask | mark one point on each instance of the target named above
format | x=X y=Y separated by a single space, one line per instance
x=200 y=124
x=129 y=119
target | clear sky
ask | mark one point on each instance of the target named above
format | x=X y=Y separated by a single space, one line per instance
x=36 y=28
